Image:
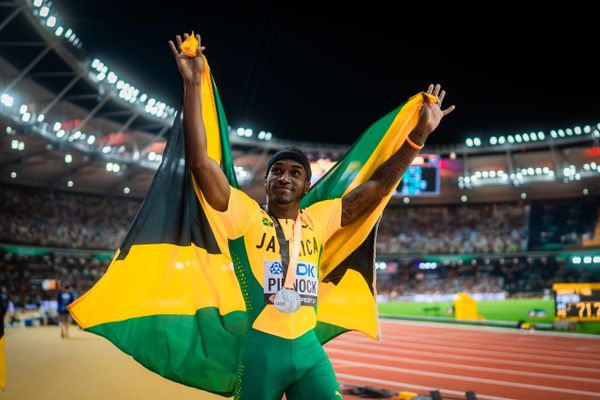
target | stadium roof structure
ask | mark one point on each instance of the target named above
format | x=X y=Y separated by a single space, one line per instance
x=68 y=122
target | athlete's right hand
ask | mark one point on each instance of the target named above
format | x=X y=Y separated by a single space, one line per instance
x=190 y=68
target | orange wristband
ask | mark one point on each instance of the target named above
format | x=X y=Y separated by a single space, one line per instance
x=413 y=144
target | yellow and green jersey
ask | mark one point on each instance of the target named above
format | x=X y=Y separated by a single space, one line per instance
x=245 y=219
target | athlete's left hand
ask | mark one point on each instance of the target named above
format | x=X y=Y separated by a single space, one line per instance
x=431 y=113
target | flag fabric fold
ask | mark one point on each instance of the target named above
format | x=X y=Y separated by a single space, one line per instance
x=170 y=297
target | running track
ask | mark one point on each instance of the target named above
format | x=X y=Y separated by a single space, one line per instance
x=495 y=363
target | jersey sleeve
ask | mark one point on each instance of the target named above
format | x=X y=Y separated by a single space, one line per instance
x=327 y=217
x=240 y=212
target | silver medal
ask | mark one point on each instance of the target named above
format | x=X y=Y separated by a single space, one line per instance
x=287 y=301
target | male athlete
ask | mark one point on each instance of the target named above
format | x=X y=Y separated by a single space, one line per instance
x=281 y=353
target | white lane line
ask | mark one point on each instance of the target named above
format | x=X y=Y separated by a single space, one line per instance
x=471 y=379
x=515 y=342
x=460 y=357
x=403 y=386
x=465 y=367
x=523 y=337
x=509 y=346
x=406 y=343
x=445 y=326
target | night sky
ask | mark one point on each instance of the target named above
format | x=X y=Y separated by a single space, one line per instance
x=324 y=74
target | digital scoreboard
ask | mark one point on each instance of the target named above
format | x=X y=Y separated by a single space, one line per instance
x=422 y=177
x=577 y=301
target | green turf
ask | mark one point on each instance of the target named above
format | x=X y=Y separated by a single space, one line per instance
x=493 y=310
x=516 y=310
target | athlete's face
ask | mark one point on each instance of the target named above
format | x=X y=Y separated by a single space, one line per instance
x=286 y=182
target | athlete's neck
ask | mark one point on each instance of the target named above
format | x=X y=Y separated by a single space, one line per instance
x=283 y=211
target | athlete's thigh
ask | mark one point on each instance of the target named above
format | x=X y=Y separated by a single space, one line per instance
x=319 y=382
x=262 y=371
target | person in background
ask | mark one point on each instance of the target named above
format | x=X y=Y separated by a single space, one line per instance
x=64 y=297
x=4 y=306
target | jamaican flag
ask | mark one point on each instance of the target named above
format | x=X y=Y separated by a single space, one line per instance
x=347 y=293
x=171 y=299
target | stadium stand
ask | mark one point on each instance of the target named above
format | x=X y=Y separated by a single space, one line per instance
x=491 y=238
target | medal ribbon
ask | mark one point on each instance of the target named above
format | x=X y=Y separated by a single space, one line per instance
x=289 y=263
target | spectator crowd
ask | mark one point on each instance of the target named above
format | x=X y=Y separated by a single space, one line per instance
x=70 y=229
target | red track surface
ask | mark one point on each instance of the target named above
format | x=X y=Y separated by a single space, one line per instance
x=494 y=363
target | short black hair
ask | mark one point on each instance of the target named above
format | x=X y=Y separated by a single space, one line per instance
x=290 y=153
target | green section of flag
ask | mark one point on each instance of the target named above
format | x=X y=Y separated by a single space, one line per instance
x=325 y=332
x=198 y=350
x=226 y=160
